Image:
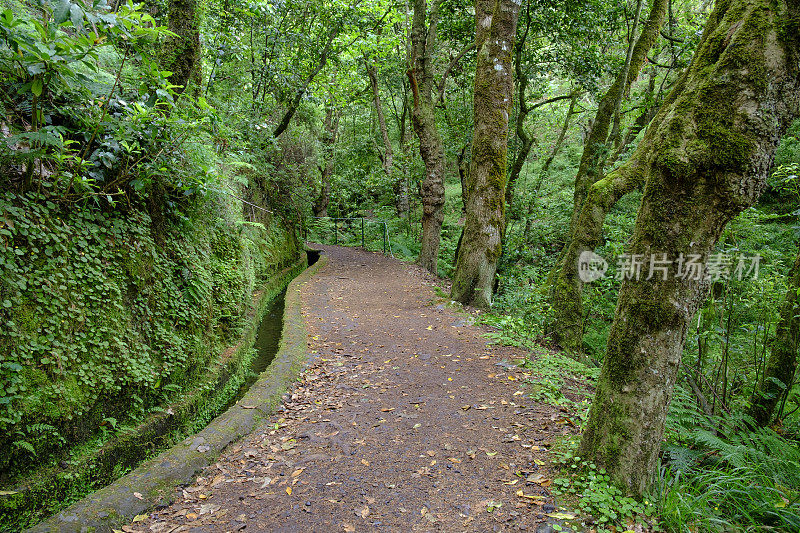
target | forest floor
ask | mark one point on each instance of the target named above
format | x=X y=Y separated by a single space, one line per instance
x=406 y=419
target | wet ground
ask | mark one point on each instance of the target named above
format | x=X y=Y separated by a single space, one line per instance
x=405 y=420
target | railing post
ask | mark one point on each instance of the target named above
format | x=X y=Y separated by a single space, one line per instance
x=362 y=233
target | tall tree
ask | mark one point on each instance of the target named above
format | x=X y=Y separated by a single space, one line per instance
x=782 y=363
x=567 y=329
x=484 y=227
x=329 y=136
x=423 y=116
x=387 y=156
x=183 y=52
x=705 y=160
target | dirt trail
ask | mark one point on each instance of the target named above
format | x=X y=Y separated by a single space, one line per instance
x=405 y=420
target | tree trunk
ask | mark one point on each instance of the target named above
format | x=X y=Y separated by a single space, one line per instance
x=401 y=201
x=780 y=369
x=320 y=205
x=476 y=263
x=423 y=116
x=567 y=327
x=705 y=161
x=182 y=54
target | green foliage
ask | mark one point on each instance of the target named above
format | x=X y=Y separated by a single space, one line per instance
x=94 y=310
x=74 y=128
x=598 y=498
x=726 y=476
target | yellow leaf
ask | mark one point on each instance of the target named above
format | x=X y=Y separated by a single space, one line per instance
x=140 y=518
x=297 y=472
x=364 y=462
x=561 y=516
x=289 y=491
x=8 y=492
x=539 y=462
x=429 y=328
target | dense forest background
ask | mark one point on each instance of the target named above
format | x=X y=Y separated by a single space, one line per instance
x=162 y=162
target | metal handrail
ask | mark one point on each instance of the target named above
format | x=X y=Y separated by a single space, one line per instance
x=385 y=235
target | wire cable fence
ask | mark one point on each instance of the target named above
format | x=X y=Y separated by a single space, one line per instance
x=371 y=235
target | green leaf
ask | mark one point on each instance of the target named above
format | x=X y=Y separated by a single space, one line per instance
x=76 y=16
x=36 y=87
x=61 y=11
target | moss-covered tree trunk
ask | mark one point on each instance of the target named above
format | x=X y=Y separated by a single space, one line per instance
x=182 y=54
x=706 y=161
x=782 y=362
x=481 y=242
x=423 y=117
x=567 y=327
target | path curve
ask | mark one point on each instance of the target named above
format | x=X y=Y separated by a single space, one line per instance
x=405 y=420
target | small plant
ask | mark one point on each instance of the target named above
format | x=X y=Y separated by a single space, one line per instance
x=596 y=495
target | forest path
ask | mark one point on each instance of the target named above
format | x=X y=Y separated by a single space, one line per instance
x=405 y=420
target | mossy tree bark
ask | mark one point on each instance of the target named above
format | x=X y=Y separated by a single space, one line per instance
x=423 y=117
x=782 y=362
x=476 y=262
x=567 y=327
x=707 y=161
x=183 y=52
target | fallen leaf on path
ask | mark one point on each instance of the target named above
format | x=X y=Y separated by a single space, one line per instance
x=138 y=495
x=140 y=518
x=536 y=478
x=364 y=462
x=297 y=472
x=529 y=496
x=539 y=462
x=248 y=406
x=348 y=528
x=209 y=508
x=289 y=491
x=561 y=516
x=492 y=505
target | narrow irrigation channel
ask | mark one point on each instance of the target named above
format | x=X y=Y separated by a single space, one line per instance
x=247 y=381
